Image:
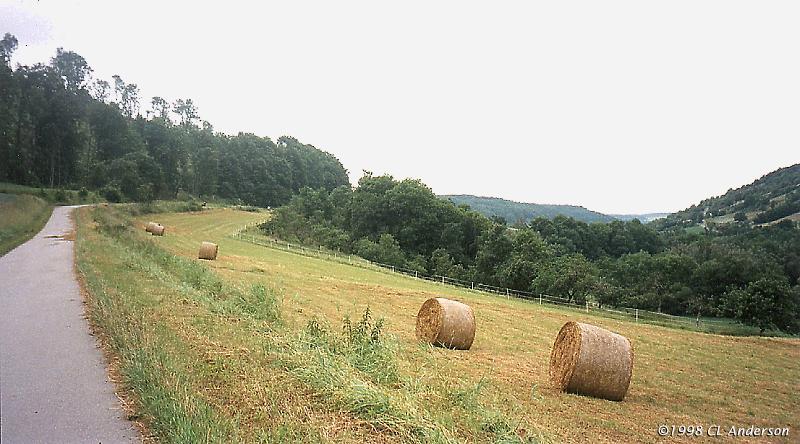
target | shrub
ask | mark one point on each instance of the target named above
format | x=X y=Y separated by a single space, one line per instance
x=112 y=193
x=60 y=196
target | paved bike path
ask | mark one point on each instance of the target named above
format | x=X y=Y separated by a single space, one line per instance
x=54 y=385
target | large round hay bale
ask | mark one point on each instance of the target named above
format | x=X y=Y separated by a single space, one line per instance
x=446 y=323
x=149 y=227
x=593 y=361
x=208 y=251
x=158 y=230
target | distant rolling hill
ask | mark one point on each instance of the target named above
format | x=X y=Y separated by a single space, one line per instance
x=770 y=199
x=517 y=211
x=644 y=218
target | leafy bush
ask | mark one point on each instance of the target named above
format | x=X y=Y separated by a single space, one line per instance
x=60 y=196
x=112 y=193
x=385 y=251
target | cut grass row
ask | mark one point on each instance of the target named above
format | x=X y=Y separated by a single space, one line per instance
x=21 y=217
x=209 y=359
x=679 y=377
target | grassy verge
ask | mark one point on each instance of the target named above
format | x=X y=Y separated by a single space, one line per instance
x=207 y=358
x=57 y=196
x=22 y=217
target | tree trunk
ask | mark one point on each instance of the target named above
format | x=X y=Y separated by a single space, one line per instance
x=52 y=168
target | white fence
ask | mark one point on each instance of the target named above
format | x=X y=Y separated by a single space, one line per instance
x=633 y=314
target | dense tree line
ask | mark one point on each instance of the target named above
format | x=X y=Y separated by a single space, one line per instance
x=59 y=128
x=733 y=270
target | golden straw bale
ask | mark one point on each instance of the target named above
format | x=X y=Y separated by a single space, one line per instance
x=208 y=251
x=592 y=361
x=446 y=323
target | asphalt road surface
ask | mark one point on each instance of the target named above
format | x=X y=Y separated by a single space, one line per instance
x=54 y=385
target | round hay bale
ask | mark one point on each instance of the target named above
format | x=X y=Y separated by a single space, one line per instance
x=208 y=251
x=593 y=361
x=158 y=230
x=446 y=323
x=149 y=227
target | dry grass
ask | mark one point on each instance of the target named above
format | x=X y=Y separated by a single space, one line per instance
x=679 y=377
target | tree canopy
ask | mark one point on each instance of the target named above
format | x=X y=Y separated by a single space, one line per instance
x=59 y=127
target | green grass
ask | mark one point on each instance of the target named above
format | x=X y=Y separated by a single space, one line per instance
x=22 y=217
x=267 y=345
x=56 y=196
x=165 y=316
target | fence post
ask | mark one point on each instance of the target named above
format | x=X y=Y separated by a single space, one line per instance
x=416 y=274
x=472 y=285
x=349 y=259
x=392 y=268
x=637 y=315
x=587 y=306
x=540 y=299
x=507 y=295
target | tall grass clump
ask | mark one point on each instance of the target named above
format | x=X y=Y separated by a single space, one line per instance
x=487 y=422
x=363 y=344
x=356 y=370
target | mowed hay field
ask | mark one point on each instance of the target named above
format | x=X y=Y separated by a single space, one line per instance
x=679 y=377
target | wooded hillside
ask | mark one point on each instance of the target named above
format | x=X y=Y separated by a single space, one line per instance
x=514 y=212
x=60 y=128
x=769 y=199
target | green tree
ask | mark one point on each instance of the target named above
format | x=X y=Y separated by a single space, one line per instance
x=571 y=277
x=386 y=251
x=186 y=111
x=767 y=303
x=71 y=68
x=161 y=108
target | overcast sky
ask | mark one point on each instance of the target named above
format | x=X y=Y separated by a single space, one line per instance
x=622 y=107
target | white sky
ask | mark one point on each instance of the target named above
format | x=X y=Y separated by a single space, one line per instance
x=622 y=107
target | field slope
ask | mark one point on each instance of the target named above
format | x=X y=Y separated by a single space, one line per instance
x=21 y=217
x=254 y=382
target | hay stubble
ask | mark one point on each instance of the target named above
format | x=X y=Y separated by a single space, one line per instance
x=674 y=367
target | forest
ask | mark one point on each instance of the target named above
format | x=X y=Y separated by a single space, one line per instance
x=60 y=128
x=749 y=273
